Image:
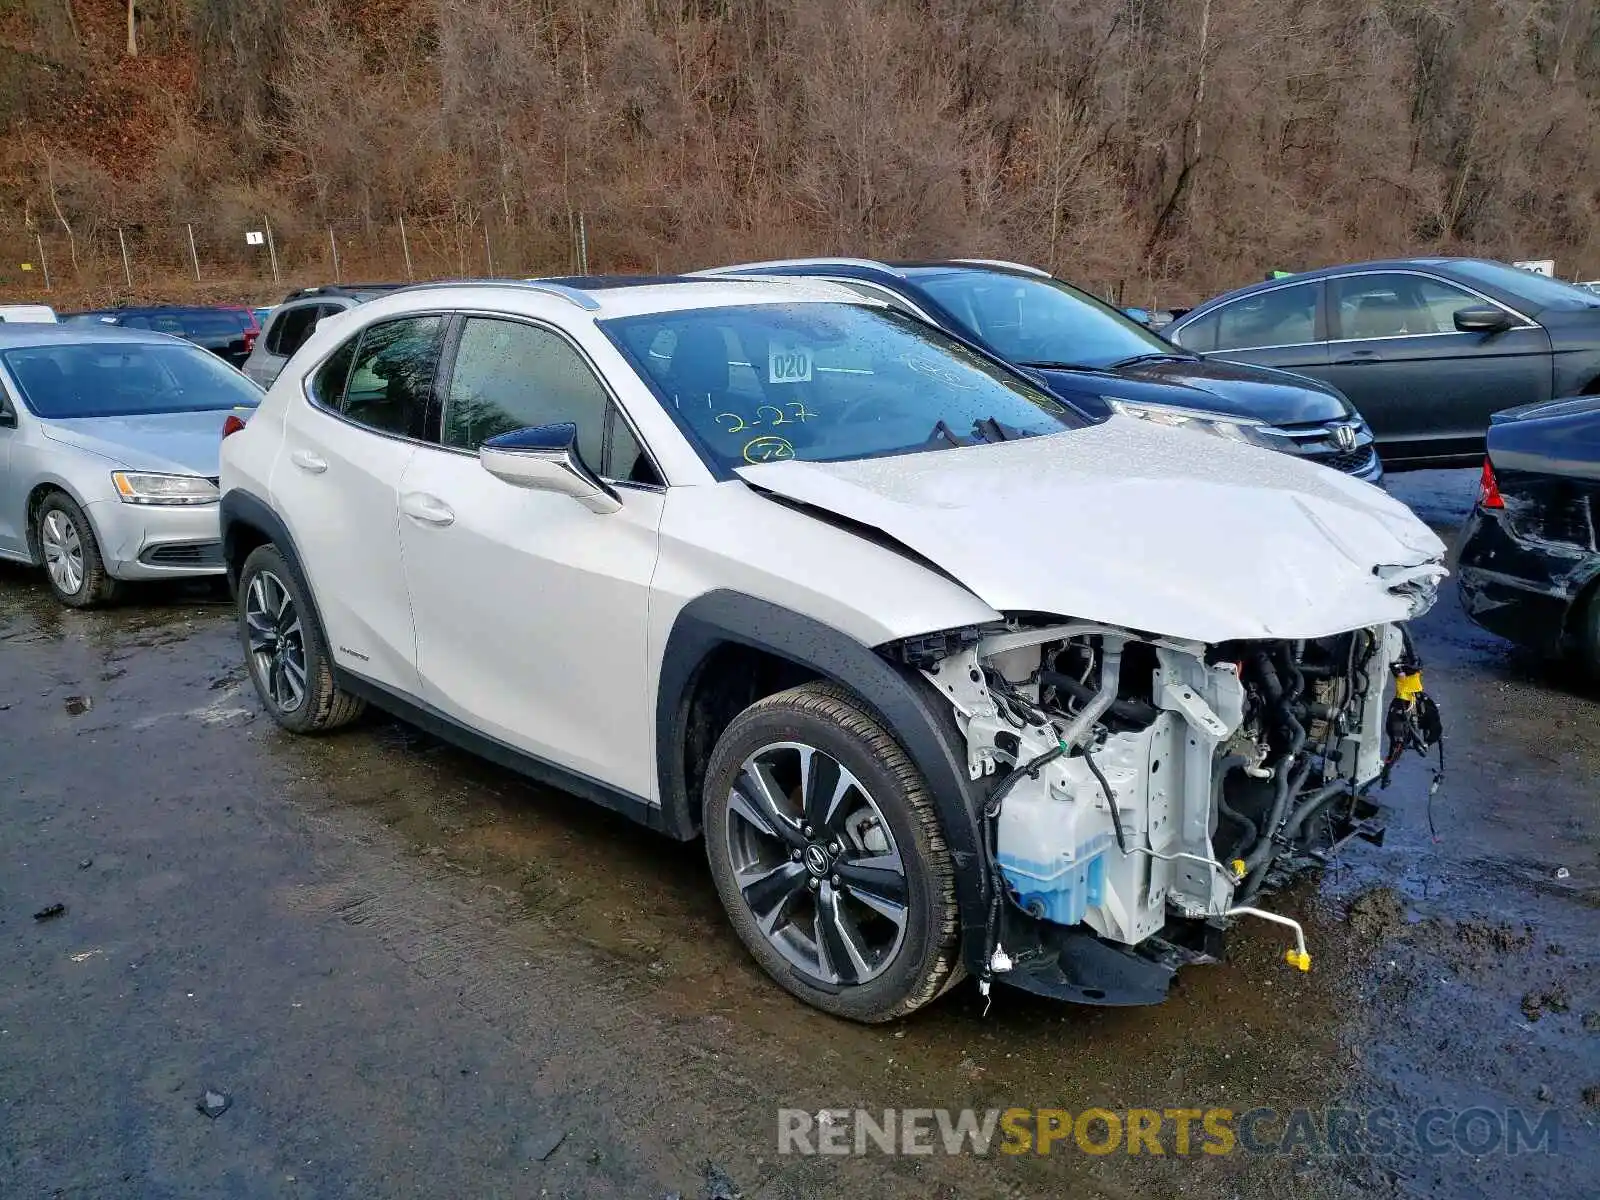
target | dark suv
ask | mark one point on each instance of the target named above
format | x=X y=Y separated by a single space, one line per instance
x=1100 y=359
x=229 y=333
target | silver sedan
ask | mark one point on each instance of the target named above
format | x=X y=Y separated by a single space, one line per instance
x=108 y=455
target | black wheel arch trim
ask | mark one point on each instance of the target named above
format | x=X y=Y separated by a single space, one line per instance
x=916 y=715
x=244 y=508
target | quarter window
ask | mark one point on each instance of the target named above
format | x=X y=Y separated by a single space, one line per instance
x=392 y=376
x=327 y=385
x=1285 y=316
x=509 y=375
x=1396 y=305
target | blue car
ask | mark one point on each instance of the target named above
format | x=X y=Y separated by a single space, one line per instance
x=1528 y=558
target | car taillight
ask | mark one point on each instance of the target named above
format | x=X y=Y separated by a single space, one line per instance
x=250 y=339
x=1488 y=489
x=232 y=425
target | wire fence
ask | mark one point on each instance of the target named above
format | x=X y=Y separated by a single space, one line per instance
x=138 y=258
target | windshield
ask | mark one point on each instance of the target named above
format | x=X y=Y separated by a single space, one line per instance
x=822 y=382
x=1031 y=319
x=121 y=379
x=1539 y=290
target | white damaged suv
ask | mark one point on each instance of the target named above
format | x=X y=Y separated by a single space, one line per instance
x=951 y=678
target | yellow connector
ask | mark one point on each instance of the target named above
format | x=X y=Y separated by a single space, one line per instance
x=1298 y=958
x=1408 y=687
x=1238 y=868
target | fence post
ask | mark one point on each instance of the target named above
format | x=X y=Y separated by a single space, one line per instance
x=272 y=249
x=127 y=270
x=194 y=255
x=334 y=246
x=44 y=263
x=583 y=245
x=405 y=247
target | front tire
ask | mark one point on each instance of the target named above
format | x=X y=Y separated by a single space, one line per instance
x=71 y=555
x=284 y=650
x=829 y=857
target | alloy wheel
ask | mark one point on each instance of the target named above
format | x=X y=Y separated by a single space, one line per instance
x=816 y=864
x=277 y=641
x=63 y=551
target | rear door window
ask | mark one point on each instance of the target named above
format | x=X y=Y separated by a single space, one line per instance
x=1285 y=316
x=391 y=380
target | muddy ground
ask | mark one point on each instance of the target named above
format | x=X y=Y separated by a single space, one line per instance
x=410 y=973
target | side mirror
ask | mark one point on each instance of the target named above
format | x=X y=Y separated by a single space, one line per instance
x=1483 y=319
x=8 y=418
x=545 y=458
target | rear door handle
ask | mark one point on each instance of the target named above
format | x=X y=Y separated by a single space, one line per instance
x=426 y=509
x=1357 y=358
x=308 y=461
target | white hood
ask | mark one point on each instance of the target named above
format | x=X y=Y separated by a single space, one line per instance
x=1127 y=523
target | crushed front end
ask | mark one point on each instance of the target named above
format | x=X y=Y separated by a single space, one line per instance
x=1145 y=790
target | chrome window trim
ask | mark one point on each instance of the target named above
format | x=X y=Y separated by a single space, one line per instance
x=1177 y=328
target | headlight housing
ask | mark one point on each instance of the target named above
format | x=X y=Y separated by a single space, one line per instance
x=151 y=487
x=1235 y=429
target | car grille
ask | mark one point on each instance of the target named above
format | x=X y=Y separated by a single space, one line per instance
x=1319 y=443
x=202 y=554
x=1349 y=461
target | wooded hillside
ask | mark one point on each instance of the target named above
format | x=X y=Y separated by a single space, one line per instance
x=1163 y=147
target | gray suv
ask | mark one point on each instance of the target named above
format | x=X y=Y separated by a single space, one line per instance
x=292 y=321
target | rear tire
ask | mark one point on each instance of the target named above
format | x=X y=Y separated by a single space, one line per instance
x=284 y=649
x=846 y=899
x=71 y=556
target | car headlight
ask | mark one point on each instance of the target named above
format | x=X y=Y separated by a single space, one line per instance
x=1234 y=429
x=148 y=487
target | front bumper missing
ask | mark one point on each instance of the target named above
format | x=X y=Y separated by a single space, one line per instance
x=1072 y=964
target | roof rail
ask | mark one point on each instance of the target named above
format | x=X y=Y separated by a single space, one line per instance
x=571 y=295
x=1010 y=266
x=736 y=268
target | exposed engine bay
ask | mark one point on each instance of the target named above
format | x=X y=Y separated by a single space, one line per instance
x=1147 y=782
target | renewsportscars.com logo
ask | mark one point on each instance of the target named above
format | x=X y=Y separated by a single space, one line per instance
x=1172 y=1131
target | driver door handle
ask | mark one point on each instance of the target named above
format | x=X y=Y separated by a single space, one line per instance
x=308 y=461
x=1358 y=358
x=426 y=510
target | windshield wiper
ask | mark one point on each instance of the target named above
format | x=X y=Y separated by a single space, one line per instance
x=1053 y=365
x=991 y=430
x=941 y=430
x=1158 y=356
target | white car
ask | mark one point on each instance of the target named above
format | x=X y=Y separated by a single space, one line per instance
x=951 y=679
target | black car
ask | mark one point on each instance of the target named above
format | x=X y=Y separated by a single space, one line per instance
x=1529 y=560
x=1426 y=348
x=229 y=333
x=1100 y=359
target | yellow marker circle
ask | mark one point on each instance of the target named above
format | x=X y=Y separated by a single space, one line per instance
x=767 y=449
